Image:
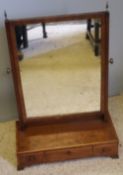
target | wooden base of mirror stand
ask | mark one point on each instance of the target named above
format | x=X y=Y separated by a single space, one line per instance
x=65 y=141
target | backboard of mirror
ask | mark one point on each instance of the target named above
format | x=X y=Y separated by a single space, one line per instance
x=55 y=67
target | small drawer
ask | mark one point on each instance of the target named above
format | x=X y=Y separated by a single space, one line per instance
x=105 y=150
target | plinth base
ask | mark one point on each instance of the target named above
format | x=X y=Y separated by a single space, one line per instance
x=66 y=140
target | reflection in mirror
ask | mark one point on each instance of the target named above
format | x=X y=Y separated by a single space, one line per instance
x=60 y=67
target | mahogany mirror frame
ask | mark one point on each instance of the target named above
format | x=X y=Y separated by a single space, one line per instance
x=10 y=29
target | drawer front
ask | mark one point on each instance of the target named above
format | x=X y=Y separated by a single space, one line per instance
x=67 y=154
x=105 y=150
x=54 y=155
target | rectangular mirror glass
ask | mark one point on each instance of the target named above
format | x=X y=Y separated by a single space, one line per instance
x=60 y=66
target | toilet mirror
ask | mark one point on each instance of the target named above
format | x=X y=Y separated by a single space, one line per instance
x=58 y=65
